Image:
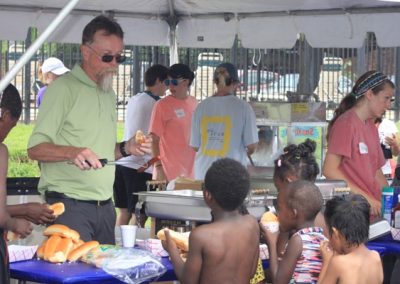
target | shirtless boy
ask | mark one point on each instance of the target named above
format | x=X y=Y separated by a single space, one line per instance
x=346 y=259
x=226 y=250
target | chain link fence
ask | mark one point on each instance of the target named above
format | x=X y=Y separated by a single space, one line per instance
x=265 y=74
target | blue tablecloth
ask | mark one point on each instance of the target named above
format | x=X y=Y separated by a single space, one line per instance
x=78 y=272
x=390 y=247
x=386 y=242
x=45 y=272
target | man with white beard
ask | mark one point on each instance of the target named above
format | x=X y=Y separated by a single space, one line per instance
x=76 y=127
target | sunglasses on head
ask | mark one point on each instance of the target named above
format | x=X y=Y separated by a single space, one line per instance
x=174 y=82
x=107 y=58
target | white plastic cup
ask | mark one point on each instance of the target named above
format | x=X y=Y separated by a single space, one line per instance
x=128 y=234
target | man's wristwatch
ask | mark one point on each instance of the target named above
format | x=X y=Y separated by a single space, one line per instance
x=122 y=149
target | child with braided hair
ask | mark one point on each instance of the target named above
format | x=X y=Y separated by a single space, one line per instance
x=296 y=163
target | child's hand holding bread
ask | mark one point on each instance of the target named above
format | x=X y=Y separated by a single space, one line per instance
x=270 y=221
x=174 y=242
x=269 y=227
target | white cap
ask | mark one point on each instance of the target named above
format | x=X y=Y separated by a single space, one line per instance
x=54 y=65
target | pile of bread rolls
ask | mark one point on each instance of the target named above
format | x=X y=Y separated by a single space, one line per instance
x=63 y=244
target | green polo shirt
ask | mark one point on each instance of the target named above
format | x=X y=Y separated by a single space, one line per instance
x=76 y=112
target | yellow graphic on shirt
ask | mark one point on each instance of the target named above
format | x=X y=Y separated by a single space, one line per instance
x=216 y=133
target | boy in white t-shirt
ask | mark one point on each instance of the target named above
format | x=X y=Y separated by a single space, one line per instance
x=128 y=177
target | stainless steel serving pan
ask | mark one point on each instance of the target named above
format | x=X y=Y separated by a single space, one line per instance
x=176 y=204
x=189 y=205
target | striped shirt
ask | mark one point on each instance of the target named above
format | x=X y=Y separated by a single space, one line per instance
x=309 y=263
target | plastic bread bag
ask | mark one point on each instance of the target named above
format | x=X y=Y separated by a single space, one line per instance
x=129 y=265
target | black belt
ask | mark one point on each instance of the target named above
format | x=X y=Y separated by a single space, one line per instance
x=54 y=194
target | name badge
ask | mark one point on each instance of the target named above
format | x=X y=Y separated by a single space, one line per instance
x=180 y=113
x=363 y=148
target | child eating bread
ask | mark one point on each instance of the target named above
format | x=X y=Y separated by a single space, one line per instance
x=226 y=250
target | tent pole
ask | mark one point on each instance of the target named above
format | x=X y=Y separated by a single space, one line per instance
x=36 y=45
x=173 y=46
x=172 y=21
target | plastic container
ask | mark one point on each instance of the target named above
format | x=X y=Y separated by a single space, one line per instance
x=387 y=203
x=396 y=214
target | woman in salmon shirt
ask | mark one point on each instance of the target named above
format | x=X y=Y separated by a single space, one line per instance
x=354 y=152
x=171 y=124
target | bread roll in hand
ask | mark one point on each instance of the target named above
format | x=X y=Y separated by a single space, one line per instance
x=140 y=137
x=270 y=221
x=11 y=236
x=58 y=208
x=268 y=217
x=181 y=241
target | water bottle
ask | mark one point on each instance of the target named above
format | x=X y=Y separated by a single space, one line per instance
x=387 y=203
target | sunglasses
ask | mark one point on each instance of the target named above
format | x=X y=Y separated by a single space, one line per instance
x=174 y=82
x=107 y=58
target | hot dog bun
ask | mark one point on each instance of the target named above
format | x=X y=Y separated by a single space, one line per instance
x=82 y=250
x=51 y=246
x=58 y=208
x=270 y=221
x=140 y=137
x=268 y=217
x=77 y=244
x=181 y=241
x=40 y=250
x=63 y=231
x=64 y=247
x=57 y=257
x=11 y=236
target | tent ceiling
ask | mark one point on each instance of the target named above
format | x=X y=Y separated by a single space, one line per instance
x=215 y=23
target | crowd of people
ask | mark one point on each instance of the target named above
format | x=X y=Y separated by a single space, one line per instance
x=211 y=141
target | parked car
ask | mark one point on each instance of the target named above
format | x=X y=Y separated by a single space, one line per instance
x=254 y=80
x=344 y=85
x=203 y=85
x=278 y=89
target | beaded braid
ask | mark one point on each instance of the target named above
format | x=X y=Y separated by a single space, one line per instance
x=298 y=160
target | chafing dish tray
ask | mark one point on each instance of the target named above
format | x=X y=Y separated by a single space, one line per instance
x=175 y=204
x=189 y=205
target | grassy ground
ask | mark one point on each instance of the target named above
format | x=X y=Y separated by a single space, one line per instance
x=19 y=163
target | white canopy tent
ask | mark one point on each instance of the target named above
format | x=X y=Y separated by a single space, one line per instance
x=215 y=23
x=210 y=23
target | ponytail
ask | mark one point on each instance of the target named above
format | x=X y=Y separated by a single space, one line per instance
x=371 y=80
